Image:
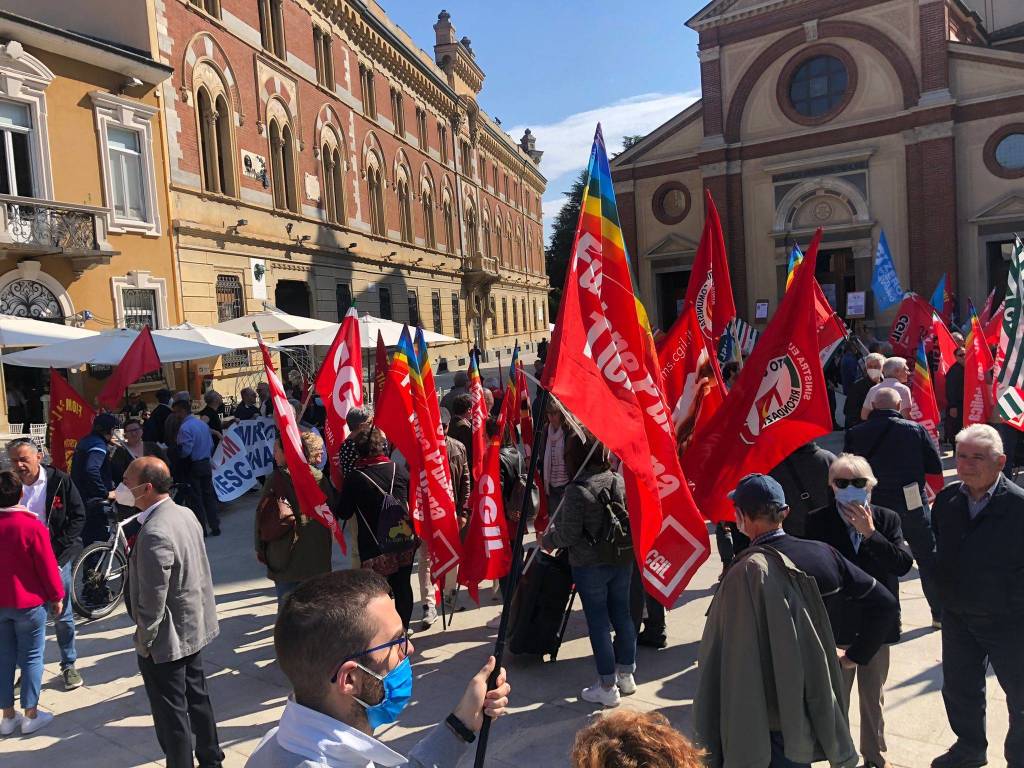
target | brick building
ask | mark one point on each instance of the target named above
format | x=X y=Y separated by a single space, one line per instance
x=317 y=157
x=858 y=116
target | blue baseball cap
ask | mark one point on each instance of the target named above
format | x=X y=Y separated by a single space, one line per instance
x=756 y=490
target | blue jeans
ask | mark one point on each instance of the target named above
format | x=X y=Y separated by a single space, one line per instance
x=65 y=623
x=604 y=591
x=22 y=641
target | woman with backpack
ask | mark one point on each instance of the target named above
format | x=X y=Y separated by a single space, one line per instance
x=293 y=546
x=376 y=493
x=592 y=524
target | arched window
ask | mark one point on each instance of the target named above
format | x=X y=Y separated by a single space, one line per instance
x=497 y=239
x=215 y=143
x=282 y=166
x=472 y=243
x=404 y=211
x=429 y=234
x=449 y=227
x=487 y=236
x=334 y=183
x=375 y=187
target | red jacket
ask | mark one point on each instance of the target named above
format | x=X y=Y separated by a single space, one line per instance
x=29 y=575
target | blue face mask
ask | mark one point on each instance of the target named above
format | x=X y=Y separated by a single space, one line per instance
x=851 y=495
x=397 y=692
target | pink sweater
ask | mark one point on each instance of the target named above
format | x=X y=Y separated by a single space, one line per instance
x=29 y=575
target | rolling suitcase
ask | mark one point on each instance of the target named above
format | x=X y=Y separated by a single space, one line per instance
x=541 y=605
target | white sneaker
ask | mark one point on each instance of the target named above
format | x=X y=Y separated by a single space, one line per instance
x=598 y=694
x=41 y=720
x=9 y=725
x=429 y=614
x=625 y=683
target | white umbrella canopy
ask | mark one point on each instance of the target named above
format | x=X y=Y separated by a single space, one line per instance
x=26 y=332
x=368 y=329
x=110 y=347
x=273 y=321
x=205 y=335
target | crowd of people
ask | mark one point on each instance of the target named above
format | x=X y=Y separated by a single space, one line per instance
x=808 y=602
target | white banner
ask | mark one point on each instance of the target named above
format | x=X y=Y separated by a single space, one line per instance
x=244 y=455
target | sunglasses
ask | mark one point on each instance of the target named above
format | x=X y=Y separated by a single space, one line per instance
x=857 y=482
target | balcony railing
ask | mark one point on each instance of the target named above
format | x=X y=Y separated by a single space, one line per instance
x=37 y=227
x=485 y=264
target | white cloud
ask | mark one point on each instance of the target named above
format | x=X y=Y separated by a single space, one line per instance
x=566 y=143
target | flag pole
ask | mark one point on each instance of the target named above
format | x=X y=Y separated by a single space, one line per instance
x=513 y=579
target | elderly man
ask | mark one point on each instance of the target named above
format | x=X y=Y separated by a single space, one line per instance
x=894 y=376
x=210 y=414
x=52 y=497
x=792 y=711
x=170 y=599
x=250 y=406
x=266 y=403
x=901 y=453
x=858 y=391
x=870 y=537
x=194 y=449
x=979 y=526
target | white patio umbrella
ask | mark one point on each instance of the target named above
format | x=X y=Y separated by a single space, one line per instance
x=368 y=329
x=273 y=321
x=206 y=335
x=110 y=347
x=26 y=332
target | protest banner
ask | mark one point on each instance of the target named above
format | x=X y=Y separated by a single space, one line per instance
x=244 y=455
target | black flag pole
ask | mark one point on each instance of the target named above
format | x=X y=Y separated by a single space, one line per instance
x=513 y=579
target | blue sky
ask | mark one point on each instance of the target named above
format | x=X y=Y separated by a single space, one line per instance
x=560 y=66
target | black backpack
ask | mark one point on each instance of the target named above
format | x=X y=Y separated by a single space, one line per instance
x=394 y=528
x=613 y=540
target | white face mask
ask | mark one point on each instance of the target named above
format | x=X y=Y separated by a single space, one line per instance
x=123 y=495
x=874 y=374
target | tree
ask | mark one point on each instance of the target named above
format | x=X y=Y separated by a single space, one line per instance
x=628 y=142
x=563 y=232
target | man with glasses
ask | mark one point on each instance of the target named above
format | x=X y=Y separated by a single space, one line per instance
x=979 y=526
x=870 y=537
x=343 y=647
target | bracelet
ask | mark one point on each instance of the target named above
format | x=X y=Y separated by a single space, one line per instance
x=460 y=728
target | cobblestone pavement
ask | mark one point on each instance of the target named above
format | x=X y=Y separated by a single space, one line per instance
x=107 y=723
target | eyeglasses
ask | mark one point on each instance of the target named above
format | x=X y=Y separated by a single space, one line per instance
x=401 y=642
x=857 y=482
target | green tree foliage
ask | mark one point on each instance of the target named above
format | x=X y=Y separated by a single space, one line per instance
x=559 y=250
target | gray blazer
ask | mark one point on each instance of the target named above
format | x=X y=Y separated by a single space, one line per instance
x=170 y=587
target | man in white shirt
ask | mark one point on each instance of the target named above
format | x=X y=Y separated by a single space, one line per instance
x=895 y=373
x=49 y=493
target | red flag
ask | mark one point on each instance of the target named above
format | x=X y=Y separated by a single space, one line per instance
x=487 y=551
x=710 y=289
x=70 y=420
x=525 y=411
x=311 y=498
x=380 y=368
x=478 y=416
x=977 y=366
x=509 y=414
x=986 y=311
x=340 y=385
x=433 y=404
x=947 y=346
x=602 y=366
x=140 y=359
x=994 y=326
x=778 y=403
x=831 y=330
x=912 y=323
x=690 y=376
x=925 y=411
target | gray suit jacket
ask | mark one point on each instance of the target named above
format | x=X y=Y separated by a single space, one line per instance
x=170 y=586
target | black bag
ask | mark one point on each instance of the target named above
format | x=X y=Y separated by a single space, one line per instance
x=613 y=541
x=515 y=470
x=541 y=605
x=394 y=528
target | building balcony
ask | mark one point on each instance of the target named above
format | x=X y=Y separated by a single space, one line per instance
x=481 y=270
x=33 y=227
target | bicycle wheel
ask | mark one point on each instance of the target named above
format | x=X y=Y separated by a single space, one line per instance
x=95 y=589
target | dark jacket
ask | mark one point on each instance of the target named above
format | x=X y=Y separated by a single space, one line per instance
x=360 y=499
x=839 y=580
x=122 y=457
x=855 y=397
x=90 y=468
x=246 y=411
x=899 y=451
x=461 y=480
x=461 y=429
x=803 y=476
x=955 y=391
x=153 y=427
x=581 y=513
x=65 y=515
x=979 y=564
x=883 y=555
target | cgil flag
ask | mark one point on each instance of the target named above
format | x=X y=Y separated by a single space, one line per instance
x=140 y=359
x=710 y=289
x=601 y=366
x=978 y=362
x=777 y=404
x=478 y=416
x=912 y=323
x=942 y=341
x=340 y=385
x=885 y=283
x=486 y=552
x=311 y=498
x=70 y=420
x=925 y=411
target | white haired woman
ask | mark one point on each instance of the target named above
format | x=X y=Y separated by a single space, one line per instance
x=870 y=537
x=858 y=391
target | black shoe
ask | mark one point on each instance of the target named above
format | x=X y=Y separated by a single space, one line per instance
x=957 y=758
x=651 y=639
x=215 y=531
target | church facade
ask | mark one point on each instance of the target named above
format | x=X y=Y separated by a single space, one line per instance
x=858 y=116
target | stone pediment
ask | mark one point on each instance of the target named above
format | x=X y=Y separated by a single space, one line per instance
x=672 y=245
x=723 y=11
x=1007 y=208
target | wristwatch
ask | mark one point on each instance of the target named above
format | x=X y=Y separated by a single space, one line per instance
x=460 y=728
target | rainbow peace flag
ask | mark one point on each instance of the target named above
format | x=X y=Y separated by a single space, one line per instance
x=796 y=258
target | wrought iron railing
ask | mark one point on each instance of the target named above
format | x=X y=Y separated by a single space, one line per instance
x=50 y=225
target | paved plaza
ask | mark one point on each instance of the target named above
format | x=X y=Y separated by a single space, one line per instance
x=107 y=723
